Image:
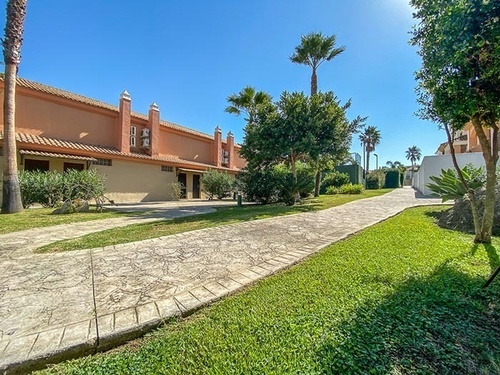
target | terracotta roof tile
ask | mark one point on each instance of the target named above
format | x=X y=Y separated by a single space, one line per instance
x=96 y=103
x=31 y=139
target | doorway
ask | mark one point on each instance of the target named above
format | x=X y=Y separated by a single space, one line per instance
x=196 y=186
x=182 y=178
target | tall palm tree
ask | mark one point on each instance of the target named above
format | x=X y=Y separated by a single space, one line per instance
x=413 y=154
x=314 y=49
x=16 y=11
x=370 y=138
x=247 y=101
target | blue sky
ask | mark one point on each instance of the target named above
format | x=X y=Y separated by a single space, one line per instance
x=188 y=56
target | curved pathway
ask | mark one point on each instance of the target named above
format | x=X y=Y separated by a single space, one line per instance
x=56 y=306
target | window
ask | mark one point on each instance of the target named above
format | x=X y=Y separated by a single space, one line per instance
x=167 y=168
x=133 y=131
x=76 y=166
x=36 y=165
x=106 y=162
x=132 y=141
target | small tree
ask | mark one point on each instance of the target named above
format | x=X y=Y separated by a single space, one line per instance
x=459 y=79
x=216 y=183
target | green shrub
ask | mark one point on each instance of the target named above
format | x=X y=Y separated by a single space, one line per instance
x=335 y=179
x=448 y=186
x=176 y=190
x=52 y=188
x=346 y=189
x=392 y=179
x=83 y=185
x=375 y=179
x=216 y=183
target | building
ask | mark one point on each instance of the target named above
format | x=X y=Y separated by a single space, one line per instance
x=140 y=155
x=467 y=150
x=464 y=140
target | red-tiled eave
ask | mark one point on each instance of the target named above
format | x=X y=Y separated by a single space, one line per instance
x=84 y=149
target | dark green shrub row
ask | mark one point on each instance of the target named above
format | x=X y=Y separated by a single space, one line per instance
x=335 y=179
x=52 y=188
x=383 y=178
x=346 y=189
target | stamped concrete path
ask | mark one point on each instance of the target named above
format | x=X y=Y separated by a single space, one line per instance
x=57 y=306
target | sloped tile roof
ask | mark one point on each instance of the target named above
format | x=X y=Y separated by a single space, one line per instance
x=55 y=155
x=22 y=82
x=31 y=139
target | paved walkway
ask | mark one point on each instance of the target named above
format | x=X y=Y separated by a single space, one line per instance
x=54 y=306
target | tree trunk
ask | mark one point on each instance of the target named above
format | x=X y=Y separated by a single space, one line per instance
x=367 y=161
x=11 y=199
x=295 y=180
x=317 y=182
x=470 y=192
x=314 y=82
x=490 y=155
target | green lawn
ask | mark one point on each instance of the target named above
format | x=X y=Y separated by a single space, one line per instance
x=223 y=216
x=401 y=297
x=42 y=217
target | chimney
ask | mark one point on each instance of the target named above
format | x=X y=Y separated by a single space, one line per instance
x=230 y=149
x=154 y=129
x=123 y=139
x=217 y=147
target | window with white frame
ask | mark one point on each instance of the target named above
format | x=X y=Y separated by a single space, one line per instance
x=167 y=168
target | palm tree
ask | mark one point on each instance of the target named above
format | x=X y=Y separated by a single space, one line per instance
x=314 y=49
x=413 y=154
x=370 y=138
x=247 y=101
x=16 y=11
x=393 y=164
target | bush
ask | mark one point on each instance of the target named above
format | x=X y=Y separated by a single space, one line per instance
x=52 y=188
x=83 y=185
x=216 y=183
x=176 y=190
x=448 y=186
x=335 y=179
x=375 y=179
x=392 y=178
x=346 y=189
x=274 y=184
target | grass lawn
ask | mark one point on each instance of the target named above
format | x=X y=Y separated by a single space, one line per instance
x=42 y=217
x=223 y=216
x=401 y=297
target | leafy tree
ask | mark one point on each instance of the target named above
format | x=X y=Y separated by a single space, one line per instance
x=247 y=101
x=370 y=138
x=216 y=183
x=459 y=82
x=16 y=11
x=413 y=154
x=315 y=49
x=295 y=128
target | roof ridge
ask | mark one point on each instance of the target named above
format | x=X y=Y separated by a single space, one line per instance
x=24 y=82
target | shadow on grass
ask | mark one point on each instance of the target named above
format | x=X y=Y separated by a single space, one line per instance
x=492 y=252
x=444 y=324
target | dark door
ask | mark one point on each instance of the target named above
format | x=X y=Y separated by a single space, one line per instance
x=182 y=179
x=196 y=186
x=36 y=165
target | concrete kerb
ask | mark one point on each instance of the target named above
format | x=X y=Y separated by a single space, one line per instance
x=121 y=326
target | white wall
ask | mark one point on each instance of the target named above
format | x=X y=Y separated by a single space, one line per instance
x=432 y=165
